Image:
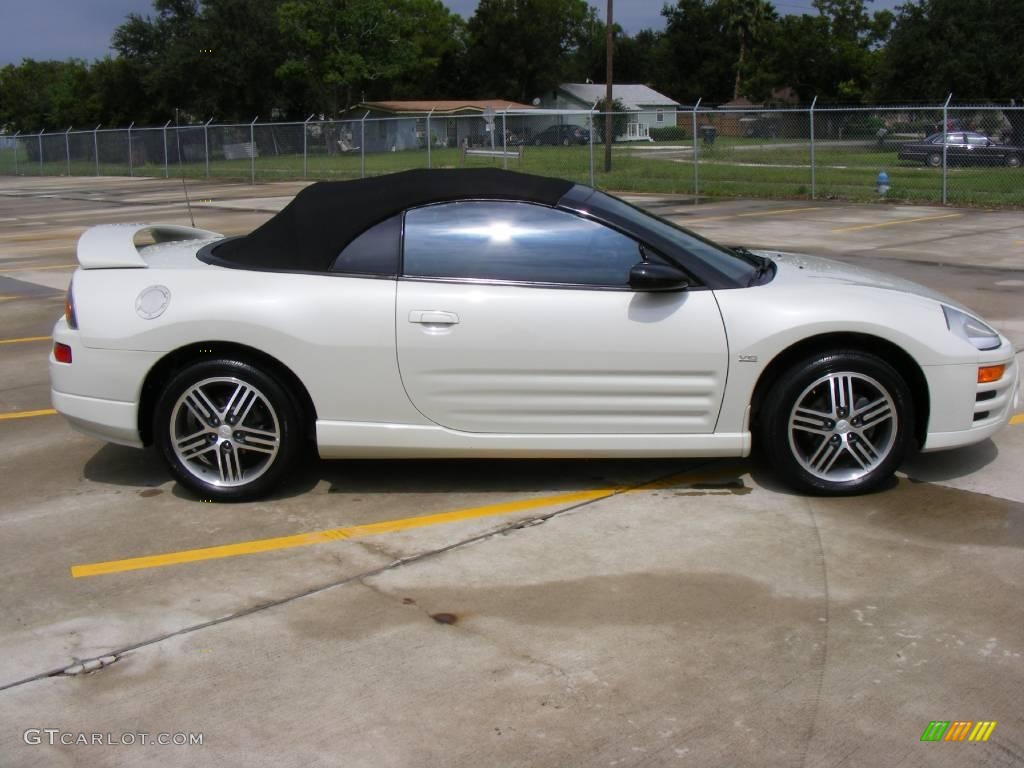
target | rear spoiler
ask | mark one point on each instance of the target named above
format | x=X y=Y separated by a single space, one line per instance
x=111 y=246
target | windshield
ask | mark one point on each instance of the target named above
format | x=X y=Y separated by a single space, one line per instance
x=737 y=266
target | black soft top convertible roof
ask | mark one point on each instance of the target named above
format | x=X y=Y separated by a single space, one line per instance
x=308 y=233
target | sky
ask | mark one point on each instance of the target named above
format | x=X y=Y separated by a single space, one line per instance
x=60 y=29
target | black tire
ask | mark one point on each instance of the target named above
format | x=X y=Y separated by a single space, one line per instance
x=565 y=142
x=241 y=426
x=537 y=142
x=1013 y=161
x=863 y=444
x=934 y=160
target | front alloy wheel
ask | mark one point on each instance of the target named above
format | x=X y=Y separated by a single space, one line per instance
x=227 y=430
x=838 y=424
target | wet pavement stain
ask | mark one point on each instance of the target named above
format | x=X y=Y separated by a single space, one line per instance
x=734 y=487
x=444 y=618
x=150 y=493
x=938 y=513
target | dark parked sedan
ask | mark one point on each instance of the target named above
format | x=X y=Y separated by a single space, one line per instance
x=962 y=148
x=562 y=134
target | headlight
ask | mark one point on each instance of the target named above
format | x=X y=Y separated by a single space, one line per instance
x=970 y=329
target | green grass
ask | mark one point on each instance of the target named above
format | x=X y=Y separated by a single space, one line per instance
x=730 y=168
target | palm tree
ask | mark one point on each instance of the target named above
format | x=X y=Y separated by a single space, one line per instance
x=746 y=19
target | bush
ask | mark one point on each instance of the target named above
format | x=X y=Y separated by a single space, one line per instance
x=669 y=133
x=862 y=127
x=619 y=119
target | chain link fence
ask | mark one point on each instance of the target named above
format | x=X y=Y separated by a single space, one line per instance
x=924 y=154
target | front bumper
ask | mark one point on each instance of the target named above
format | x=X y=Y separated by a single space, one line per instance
x=964 y=412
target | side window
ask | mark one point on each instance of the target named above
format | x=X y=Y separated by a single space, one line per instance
x=375 y=252
x=516 y=242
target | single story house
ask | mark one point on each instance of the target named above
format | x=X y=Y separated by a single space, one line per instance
x=392 y=126
x=646 y=107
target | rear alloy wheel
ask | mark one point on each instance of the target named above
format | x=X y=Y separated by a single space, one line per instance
x=838 y=424
x=1013 y=161
x=934 y=160
x=227 y=430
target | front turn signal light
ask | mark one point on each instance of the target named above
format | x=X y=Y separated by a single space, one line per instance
x=989 y=373
x=61 y=352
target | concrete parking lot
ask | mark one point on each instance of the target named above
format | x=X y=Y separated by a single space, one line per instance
x=503 y=613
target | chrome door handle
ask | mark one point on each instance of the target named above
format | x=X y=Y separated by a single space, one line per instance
x=433 y=317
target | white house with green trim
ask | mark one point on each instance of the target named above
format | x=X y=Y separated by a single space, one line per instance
x=646 y=107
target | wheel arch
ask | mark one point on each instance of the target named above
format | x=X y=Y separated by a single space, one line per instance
x=897 y=357
x=167 y=366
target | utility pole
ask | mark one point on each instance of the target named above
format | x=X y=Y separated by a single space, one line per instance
x=609 y=46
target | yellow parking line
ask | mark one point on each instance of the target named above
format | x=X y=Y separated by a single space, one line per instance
x=1018 y=419
x=897 y=221
x=752 y=213
x=25 y=339
x=36 y=269
x=372 y=529
x=33 y=237
x=26 y=414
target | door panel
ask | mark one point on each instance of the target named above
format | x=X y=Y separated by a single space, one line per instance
x=515 y=359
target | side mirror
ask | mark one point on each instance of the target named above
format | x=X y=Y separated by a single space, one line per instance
x=648 y=276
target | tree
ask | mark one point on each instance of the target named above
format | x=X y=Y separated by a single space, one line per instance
x=935 y=48
x=520 y=49
x=239 y=48
x=439 y=41
x=620 y=118
x=47 y=94
x=798 y=57
x=695 y=61
x=338 y=50
x=165 y=51
x=637 y=57
x=746 y=19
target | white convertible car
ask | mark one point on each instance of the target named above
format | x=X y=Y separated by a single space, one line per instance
x=483 y=313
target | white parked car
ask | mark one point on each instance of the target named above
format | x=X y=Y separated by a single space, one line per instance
x=483 y=313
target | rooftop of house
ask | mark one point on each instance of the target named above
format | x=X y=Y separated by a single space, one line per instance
x=442 y=106
x=632 y=96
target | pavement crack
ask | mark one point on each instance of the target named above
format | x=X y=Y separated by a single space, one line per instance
x=813 y=728
x=86 y=666
x=357 y=578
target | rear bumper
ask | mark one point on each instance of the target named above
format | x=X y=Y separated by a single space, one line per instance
x=110 y=420
x=99 y=391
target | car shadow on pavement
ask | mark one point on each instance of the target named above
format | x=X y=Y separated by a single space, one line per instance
x=499 y=475
x=144 y=469
x=950 y=465
x=765 y=478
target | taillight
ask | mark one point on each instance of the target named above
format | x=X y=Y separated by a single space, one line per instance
x=61 y=352
x=69 y=313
